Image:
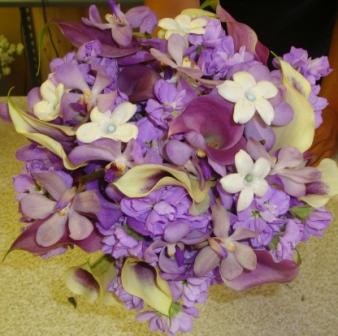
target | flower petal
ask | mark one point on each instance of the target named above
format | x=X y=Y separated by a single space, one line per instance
x=168 y=24
x=230 y=268
x=265 y=110
x=221 y=220
x=174 y=232
x=245 y=256
x=124 y=133
x=206 y=261
x=242 y=233
x=244 y=163
x=260 y=187
x=232 y=183
x=244 y=79
x=87 y=202
x=244 y=111
x=51 y=231
x=178 y=152
x=89 y=132
x=177 y=45
x=144 y=281
x=265 y=89
x=261 y=168
x=245 y=199
x=79 y=226
x=123 y=113
x=231 y=91
x=36 y=206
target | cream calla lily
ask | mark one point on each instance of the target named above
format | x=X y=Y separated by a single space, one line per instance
x=49 y=107
x=249 y=96
x=329 y=170
x=182 y=25
x=299 y=133
x=112 y=125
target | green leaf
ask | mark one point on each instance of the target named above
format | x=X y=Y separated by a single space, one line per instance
x=301 y=212
x=175 y=308
x=299 y=259
x=144 y=281
x=209 y=3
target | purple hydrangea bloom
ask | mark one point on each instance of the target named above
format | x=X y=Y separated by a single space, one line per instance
x=166 y=205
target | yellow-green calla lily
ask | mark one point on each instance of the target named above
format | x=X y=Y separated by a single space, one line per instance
x=91 y=280
x=144 y=281
x=141 y=180
x=329 y=170
x=41 y=132
x=299 y=133
x=197 y=12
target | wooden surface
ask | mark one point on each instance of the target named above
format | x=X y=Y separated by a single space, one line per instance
x=33 y=300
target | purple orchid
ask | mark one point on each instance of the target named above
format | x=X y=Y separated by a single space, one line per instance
x=225 y=251
x=208 y=126
x=62 y=213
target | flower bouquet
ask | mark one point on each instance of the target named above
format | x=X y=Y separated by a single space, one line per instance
x=181 y=160
x=8 y=51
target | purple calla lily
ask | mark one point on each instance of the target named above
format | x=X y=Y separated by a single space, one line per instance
x=210 y=127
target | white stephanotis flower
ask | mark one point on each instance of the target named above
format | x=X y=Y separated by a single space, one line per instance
x=182 y=25
x=111 y=125
x=249 y=181
x=49 y=107
x=249 y=97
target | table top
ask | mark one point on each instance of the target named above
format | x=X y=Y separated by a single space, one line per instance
x=33 y=299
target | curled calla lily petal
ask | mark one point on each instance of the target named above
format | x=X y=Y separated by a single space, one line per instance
x=141 y=180
x=42 y=132
x=144 y=281
x=92 y=279
x=299 y=133
x=243 y=35
x=267 y=271
x=329 y=171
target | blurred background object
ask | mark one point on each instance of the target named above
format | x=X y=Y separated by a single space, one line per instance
x=24 y=21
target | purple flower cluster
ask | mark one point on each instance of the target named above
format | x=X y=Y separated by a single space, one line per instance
x=175 y=157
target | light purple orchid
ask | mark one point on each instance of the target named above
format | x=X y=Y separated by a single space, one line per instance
x=208 y=126
x=225 y=251
x=62 y=213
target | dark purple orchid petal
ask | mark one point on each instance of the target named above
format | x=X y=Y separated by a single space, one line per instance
x=27 y=242
x=206 y=261
x=174 y=232
x=212 y=117
x=138 y=226
x=142 y=17
x=87 y=202
x=267 y=271
x=138 y=82
x=4 y=114
x=52 y=182
x=243 y=35
x=178 y=152
x=78 y=34
x=100 y=150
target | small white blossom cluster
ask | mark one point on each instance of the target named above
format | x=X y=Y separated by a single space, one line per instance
x=8 y=51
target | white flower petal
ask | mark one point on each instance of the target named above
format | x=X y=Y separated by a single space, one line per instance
x=183 y=21
x=245 y=199
x=198 y=23
x=243 y=163
x=244 y=79
x=260 y=187
x=45 y=111
x=232 y=183
x=89 y=132
x=123 y=113
x=48 y=91
x=261 y=168
x=124 y=133
x=265 y=89
x=265 y=110
x=244 y=111
x=230 y=91
x=168 y=24
x=98 y=117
